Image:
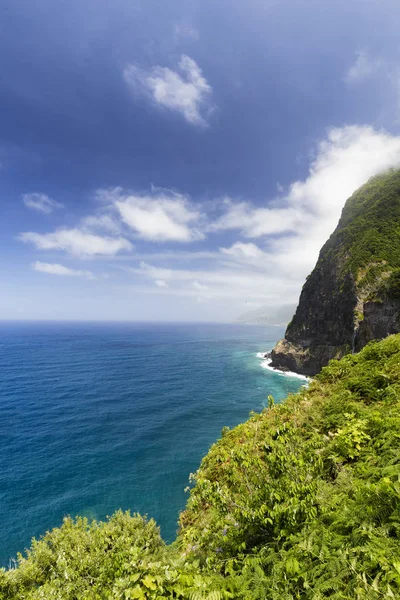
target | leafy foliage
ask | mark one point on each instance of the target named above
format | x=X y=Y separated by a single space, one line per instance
x=300 y=502
x=122 y=558
x=391 y=287
x=305 y=496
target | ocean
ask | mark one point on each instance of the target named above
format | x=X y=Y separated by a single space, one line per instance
x=96 y=417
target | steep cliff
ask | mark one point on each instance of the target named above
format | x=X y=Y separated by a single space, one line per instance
x=353 y=294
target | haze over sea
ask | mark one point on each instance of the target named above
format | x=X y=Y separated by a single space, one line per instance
x=96 y=417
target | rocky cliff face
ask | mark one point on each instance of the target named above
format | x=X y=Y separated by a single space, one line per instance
x=352 y=296
x=380 y=320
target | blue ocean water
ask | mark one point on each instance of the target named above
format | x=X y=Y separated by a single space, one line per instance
x=96 y=417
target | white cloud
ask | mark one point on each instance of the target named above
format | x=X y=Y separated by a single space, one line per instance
x=102 y=222
x=199 y=286
x=76 y=242
x=187 y=93
x=56 y=269
x=41 y=203
x=243 y=251
x=363 y=68
x=160 y=218
x=256 y=222
x=161 y=283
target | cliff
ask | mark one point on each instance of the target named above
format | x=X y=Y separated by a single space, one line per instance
x=353 y=294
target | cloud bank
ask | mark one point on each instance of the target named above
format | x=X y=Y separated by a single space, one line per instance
x=56 y=269
x=267 y=251
x=289 y=232
x=76 y=242
x=300 y=221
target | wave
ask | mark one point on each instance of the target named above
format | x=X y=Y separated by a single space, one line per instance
x=266 y=364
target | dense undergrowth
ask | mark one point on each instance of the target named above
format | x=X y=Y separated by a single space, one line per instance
x=300 y=502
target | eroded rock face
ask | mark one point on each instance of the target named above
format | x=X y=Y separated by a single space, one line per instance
x=323 y=326
x=380 y=320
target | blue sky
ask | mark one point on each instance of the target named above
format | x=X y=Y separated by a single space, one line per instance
x=184 y=160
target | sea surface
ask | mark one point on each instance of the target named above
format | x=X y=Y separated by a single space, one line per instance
x=96 y=417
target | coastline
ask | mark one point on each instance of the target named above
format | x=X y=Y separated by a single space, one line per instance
x=266 y=364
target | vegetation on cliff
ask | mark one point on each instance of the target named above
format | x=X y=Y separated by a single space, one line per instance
x=300 y=502
x=367 y=239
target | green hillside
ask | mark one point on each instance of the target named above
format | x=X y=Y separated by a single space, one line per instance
x=300 y=502
x=367 y=239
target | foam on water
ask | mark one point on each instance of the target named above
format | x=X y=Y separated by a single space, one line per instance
x=266 y=364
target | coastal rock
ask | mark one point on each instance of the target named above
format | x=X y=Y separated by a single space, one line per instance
x=380 y=319
x=352 y=295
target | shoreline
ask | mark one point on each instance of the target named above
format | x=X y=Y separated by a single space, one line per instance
x=266 y=364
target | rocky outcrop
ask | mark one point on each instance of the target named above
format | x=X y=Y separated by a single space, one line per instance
x=347 y=301
x=380 y=319
x=323 y=325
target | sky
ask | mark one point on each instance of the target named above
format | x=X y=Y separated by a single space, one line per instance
x=184 y=160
